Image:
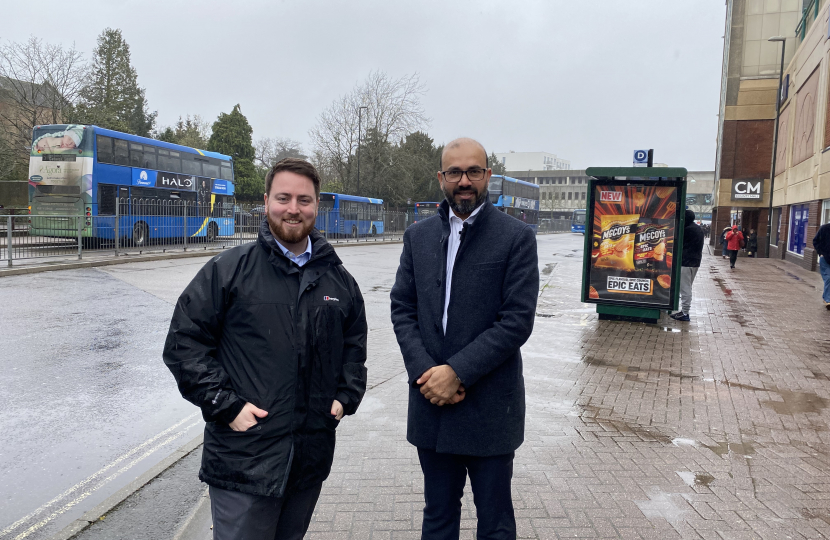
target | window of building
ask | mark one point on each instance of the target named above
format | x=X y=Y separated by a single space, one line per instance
x=583 y=196
x=825 y=212
x=799 y=215
x=570 y=195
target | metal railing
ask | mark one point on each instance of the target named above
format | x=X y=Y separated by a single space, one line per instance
x=137 y=226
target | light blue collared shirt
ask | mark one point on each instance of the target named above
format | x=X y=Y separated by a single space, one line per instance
x=300 y=259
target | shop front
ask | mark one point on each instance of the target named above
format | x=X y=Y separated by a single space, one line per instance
x=743 y=202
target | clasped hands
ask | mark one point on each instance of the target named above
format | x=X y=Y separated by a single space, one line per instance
x=440 y=385
x=250 y=413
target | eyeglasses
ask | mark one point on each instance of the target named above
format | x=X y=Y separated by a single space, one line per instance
x=473 y=175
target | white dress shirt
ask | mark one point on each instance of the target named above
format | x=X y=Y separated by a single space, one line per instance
x=300 y=259
x=453 y=243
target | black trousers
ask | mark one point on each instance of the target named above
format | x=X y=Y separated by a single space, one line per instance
x=733 y=256
x=239 y=516
x=444 y=479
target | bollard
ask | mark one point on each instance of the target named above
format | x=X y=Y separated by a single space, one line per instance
x=80 y=233
x=9 y=228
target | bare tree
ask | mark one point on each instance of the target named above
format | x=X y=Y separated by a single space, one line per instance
x=270 y=150
x=391 y=107
x=39 y=83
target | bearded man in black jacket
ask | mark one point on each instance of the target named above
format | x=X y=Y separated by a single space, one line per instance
x=269 y=340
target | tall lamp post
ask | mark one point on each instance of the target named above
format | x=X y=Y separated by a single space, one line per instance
x=359 y=112
x=775 y=139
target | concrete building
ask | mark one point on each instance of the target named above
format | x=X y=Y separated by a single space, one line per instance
x=561 y=191
x=747 y=111
x=532 y=161
x=801 y=189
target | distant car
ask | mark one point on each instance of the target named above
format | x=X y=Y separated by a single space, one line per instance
x=242 y=218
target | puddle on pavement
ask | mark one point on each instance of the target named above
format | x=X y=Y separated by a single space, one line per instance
x=797 y=402
x=548 y=268
x=722 y=285
x=724 y=448
x=670 y=329
x=693 y=479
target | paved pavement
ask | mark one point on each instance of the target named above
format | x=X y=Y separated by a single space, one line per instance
x=717 y=428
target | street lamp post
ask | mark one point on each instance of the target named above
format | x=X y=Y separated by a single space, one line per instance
x=775 y=139
x=359 y=112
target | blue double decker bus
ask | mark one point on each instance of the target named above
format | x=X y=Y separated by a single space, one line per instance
x=349 y=216
x=141 y=188
x=517 y=198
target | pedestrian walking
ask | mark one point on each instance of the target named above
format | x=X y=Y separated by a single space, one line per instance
x=752 y=243
x=821 y=242
x=724 y=249
x=734 y=241
x=463 y=302
x=692 y=255
x=269 y=340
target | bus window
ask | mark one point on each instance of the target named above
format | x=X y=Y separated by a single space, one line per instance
x=226 y=171
x=326 y=201
x=105 y=154
x=122 y=153
x=211 y=170
x=136 y=155
x=149 y=161
x=190 y=165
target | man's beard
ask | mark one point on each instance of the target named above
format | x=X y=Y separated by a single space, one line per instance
x=464 y=207
x=292 y=236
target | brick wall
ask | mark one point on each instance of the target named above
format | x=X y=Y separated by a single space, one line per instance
x=747 y=148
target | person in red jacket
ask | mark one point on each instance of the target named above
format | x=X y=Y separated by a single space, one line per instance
x=733 y=238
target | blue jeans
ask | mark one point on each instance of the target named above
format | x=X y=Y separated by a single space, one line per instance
x=824 y=268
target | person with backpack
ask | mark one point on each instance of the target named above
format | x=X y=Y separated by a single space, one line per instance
x=724 y=249
x=734 y=241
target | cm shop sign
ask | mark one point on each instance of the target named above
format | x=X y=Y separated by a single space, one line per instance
x=747 y=189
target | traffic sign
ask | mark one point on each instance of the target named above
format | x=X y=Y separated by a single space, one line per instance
x=640 y=158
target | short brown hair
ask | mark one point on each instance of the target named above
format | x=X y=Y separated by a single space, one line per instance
x=297 y=166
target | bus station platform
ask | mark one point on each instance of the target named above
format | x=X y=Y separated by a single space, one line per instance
x=710 y=429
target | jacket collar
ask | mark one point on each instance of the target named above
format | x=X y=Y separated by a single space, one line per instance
x=444 y=213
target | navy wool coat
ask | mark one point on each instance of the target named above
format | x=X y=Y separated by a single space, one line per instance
x=495 y=284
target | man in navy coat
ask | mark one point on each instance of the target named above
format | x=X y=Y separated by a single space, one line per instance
x=463 y=302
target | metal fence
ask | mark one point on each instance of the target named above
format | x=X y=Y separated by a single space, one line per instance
x=133 y=226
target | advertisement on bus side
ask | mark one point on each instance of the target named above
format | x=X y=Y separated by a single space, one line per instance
x=60 y=161
x=633 y=230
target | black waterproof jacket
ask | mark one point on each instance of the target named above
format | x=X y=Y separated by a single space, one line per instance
x=495 y=284
x=254 y=327
x=693 y=241
x=821 y=241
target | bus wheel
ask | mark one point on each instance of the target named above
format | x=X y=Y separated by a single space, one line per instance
x=140 y=234
x=212 y=232
x=354 y=231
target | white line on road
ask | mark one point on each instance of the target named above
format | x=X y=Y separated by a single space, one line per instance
x=97 y=474
x=106 y=480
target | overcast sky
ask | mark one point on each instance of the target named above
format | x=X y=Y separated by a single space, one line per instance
x=587 y=81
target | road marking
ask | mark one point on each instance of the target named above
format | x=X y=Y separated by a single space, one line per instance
x=100 y=472
x=105 y=481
